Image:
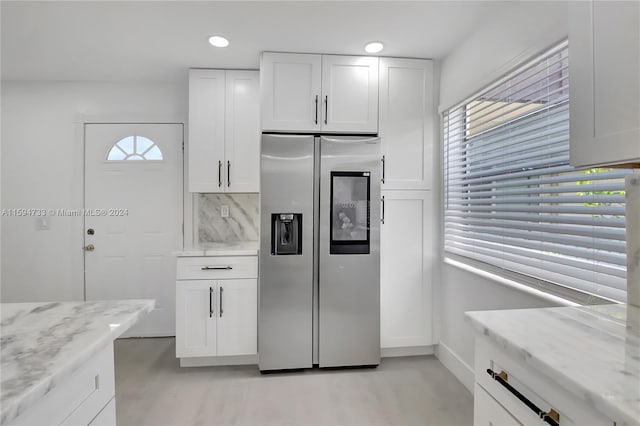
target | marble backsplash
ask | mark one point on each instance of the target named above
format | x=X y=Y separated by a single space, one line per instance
x=243 y=223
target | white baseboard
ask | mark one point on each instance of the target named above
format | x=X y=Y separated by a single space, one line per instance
x=456 y=365
x=406 y=351
x=209 y=361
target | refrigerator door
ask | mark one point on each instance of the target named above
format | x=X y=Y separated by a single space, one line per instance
x=286 y=252
x=349 y=285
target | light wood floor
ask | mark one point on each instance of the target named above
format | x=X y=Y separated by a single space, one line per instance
x=151 y=389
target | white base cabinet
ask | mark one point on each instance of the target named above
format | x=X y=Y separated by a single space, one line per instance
x=406 y=240
x=496 y=404
x=604 y=70
x=216 y=308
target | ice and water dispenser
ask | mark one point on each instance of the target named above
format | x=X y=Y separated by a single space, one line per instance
x=286 y=233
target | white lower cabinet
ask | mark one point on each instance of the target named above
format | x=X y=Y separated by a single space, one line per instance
x=216 y=312
x=405 y=269
x=518 y=394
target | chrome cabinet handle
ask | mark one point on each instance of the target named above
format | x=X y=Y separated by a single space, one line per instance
x=221 y=291
x=228 y=173
x=326 y=108
x=382 y=218
x=210 y=302
x=383 y=167
x=219 y=173
x=215 y=268
x=316 y=109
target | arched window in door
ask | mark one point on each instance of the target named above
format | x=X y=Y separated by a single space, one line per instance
x=134 y=148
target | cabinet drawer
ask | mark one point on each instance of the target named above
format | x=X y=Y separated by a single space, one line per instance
x=217 y=267
x=533 y=386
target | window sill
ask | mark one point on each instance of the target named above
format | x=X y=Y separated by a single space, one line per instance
x=510 y=283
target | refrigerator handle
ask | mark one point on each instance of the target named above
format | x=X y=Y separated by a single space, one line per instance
x=326 y=108
x=382 y=218
x=316 y=109
x=383 y=167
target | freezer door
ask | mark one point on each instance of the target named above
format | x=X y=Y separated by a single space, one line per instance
x=349 y=286
x=286 y=252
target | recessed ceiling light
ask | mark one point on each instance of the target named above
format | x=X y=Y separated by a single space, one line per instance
x=373 y=47
x=218 y=41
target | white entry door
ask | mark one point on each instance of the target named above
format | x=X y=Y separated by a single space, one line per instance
x=133 y=217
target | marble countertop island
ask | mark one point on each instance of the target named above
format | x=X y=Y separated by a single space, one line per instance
x=44 y=343
x=591 y=351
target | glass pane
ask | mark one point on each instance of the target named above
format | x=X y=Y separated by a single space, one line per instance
x=350 y=207
x=135 y=157
x=115 y=154
x=126 y=144
x=142 y=144
x=153 y=154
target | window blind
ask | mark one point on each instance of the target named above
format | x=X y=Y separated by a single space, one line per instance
x=512 y=200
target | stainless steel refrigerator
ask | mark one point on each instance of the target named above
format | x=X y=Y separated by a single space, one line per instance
x=319 y=285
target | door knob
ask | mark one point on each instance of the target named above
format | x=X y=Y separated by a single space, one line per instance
x=90 y=231
x=89 y=247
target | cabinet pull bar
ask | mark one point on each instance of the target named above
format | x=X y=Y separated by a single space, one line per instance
x=210 y=302
x=383 y=167
x=219 y=173
x=214 y=268
x=502 y=378
x=326 y=108
x=221 y=291
x=382 y=218
x=316 y=109
x=228 y=173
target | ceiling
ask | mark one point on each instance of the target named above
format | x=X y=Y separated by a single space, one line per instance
x=160 y=40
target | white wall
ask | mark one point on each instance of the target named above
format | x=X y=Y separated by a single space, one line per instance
x=517 y=31
x=42 y=167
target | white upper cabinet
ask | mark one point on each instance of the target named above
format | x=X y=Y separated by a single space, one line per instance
x=350 y=94
x=313 y=93
x=242 y=132
x=206 y=130
x=406 y=122
x=224 y=131
x=604 y=66
x=290 y=85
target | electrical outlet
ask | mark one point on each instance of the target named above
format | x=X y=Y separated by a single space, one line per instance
x=224 y=211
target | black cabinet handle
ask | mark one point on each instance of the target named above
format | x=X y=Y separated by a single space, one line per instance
x=228 y=173
x=219 y=173
x=215 y=268
x=221 y=291
x=383 y=167
x=552 y=417
x=382 y=218
x=316 y=109
x=210 y=302
x=326 y=108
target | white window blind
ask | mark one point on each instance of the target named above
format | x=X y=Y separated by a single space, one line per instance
x=512 y=200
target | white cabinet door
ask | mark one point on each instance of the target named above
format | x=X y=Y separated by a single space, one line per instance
x=405 y=269
x=349 y=94
x=604 y=65
x=406 y=122
x=290 y=92
x=206 y=130
x=242 y=132
x=487 y=411
x=196 y=318
x=237 y=317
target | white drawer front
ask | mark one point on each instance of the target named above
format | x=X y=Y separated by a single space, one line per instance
x=217 y=267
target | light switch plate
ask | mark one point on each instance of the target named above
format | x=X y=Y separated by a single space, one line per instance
x=224 y=211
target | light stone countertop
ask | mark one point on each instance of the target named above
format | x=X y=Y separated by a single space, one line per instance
x=45 y=343
x=593 y=352
x=243 y=248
